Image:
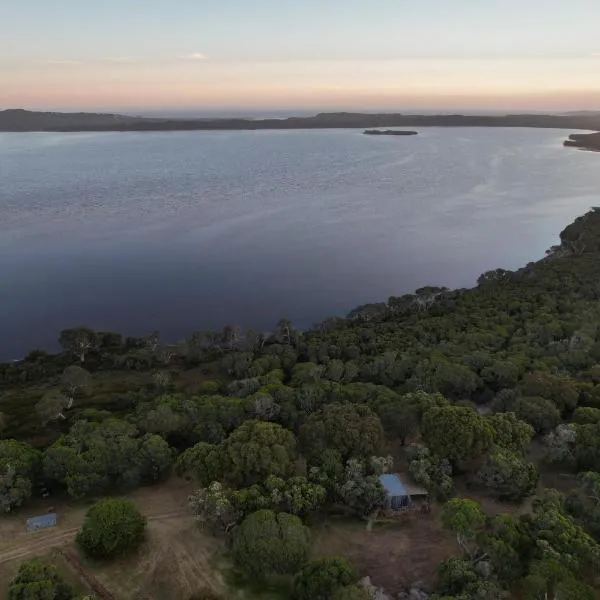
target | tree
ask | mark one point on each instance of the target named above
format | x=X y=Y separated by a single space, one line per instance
x=464 y=518
x=296 y=495
x=112 y=527
x=510 y=432
x=79 y=341
x=351 y=592
x=559 y=389
x=268 y=543
x=155 y=458
x=585 y=415
x=401 y=417
x=508 y=476
x=563 y=550
x=457 y=433
x=36 y=580
x=73 y=381
x=256 y=450
x=540 y=413
x=95 y=457
x=430 y=471
x=51 y=406
x=353 y=430
x=212 y=506
x=571 y=589
x=361 y=489
x=320 y=579
x=19 y=464
x=203 y=461
x=3 y=423
x=561 y=444
x=457 y=576
x=506 y=543
x=584 y=502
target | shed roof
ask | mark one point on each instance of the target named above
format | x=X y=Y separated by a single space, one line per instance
x=393 y=485
x=48 y=520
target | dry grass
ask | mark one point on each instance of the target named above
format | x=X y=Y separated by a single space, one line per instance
x=176 y=561
x=394 y=556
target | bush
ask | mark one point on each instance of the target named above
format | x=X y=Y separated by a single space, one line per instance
x=269 y=543
x=351 y=592
x=111 y=528
x=38 y=581
x=322 y=578
x=586 y=415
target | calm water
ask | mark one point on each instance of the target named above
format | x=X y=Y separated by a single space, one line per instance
x=183 y=231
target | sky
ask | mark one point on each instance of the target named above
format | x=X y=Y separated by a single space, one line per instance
x=317 y=54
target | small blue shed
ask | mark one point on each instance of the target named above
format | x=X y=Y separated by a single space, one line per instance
x=397 y=494
x=41 y=522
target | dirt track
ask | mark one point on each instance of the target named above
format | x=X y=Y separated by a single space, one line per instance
x=157 y=503
x=42 y=541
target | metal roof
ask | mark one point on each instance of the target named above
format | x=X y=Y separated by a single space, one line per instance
x=42 y=521
x=393 y=485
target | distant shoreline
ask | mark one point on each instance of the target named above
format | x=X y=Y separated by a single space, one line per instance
x=19 y=120
x=24 y=121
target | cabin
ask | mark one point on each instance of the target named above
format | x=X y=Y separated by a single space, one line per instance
x=400 y=493
x=41 y=522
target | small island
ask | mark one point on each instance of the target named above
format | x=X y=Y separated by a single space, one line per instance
x=388 y=132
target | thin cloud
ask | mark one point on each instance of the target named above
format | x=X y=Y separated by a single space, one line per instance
x=120 y=59
x=194 y=56
x=62 y=62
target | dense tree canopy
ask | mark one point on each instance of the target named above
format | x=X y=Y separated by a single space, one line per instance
x=457 y=433
x=256 y=450
x=352 y=430
x=19 y=464
x=95 y=457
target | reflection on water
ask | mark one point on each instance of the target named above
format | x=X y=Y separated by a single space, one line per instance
x=182 y=231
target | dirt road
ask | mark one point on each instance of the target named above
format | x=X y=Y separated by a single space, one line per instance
x=157 y=503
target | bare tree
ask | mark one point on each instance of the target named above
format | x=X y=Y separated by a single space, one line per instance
x=51 y=406
x=73 y=382
x=79 y=341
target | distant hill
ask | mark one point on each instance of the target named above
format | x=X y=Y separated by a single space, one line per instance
x=19 y=119
x=23 y=120
x=583 y=113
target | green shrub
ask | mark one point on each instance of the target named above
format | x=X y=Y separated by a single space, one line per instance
x=111 y=528
x=270 y=543
x=38 y=581
x=322 y=578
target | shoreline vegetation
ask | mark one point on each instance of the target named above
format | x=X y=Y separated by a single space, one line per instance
x=486 y=400
x=20 y=120
x=584 y=141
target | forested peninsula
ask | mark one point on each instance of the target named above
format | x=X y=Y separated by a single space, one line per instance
x=484 y=402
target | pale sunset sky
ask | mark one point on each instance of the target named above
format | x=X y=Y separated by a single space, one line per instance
x=315 y=54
